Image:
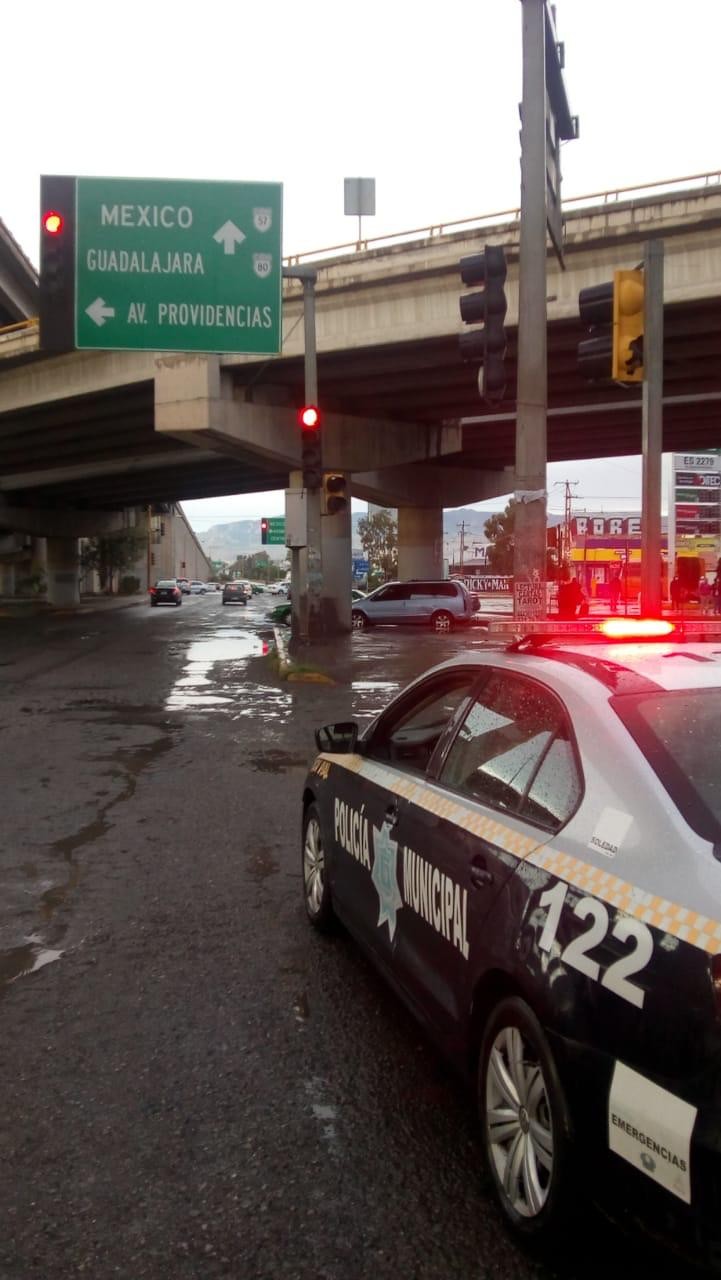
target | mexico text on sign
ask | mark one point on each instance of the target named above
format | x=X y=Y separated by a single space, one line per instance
x=276 y=530
x=178 y=266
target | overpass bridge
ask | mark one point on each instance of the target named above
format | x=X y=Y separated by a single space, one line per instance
x=84 y=434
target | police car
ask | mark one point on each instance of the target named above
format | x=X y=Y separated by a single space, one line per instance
x=527 y=842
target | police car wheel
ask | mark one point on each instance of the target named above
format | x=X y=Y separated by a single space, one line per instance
x=525 y=1121
x=358 y=620
x=442 y=621
x=316 y=890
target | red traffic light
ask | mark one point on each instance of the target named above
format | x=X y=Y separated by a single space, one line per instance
x=53 y=222
x=264 y=524
x=309 y=417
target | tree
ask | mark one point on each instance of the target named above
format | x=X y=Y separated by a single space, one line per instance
x=499 y=530
x=112 y=554
x=379 y=538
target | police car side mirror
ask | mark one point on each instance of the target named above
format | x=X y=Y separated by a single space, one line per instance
x=338 y=738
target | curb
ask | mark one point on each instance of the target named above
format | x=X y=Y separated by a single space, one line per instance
x=281 y=644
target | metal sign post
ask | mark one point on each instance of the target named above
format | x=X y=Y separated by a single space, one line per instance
x=652 y=431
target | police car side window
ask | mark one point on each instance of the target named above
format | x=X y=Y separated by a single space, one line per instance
x=410 y=736
x=500 y=752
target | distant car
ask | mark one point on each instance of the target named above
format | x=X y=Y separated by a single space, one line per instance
x=197 y=588
x=184 y=584
x=234 y=593
x=280 y=588
x=440 y=604
x=257 y=588
x=166 y=591
x=281 y=613
x=247 y=588
x=213 y=586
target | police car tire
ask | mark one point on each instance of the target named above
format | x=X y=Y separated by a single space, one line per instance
x=541 y=1222
x=319 y=909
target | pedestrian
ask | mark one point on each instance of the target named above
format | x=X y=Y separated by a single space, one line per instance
x=614 y=590
x=676 y=592
x=705 y=594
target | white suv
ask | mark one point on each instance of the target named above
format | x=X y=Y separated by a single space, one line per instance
x=440 y=604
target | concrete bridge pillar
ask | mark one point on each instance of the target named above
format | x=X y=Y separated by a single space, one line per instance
x=335 y=532
x=420 y=542
x=63 y=571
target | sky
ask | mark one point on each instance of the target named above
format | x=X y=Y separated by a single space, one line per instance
x=423 y=98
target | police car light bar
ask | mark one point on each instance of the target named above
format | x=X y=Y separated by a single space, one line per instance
x=636 y=628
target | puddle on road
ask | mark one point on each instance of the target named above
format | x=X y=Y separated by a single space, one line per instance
x=21 y=961
x=227 y=645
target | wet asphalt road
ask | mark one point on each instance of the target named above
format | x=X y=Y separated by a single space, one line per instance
x=194 y=1083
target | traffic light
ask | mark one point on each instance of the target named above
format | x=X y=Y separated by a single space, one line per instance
x=614 y=315
x=628 y=312
x=311 y=447
x=335 y=493
x=489 y=309
x=595 y=353
x=264 y=531
x=57 y=263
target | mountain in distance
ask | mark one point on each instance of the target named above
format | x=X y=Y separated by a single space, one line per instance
x=242 y=537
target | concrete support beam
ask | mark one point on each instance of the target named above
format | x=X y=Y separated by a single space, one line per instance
x=420 y=542
x=63 y=571
x=335 y=532
x=428 y=486
x=49 y=522
x=58 y=377
x=196 y=403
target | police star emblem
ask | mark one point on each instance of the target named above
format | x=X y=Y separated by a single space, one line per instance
x=385 y=877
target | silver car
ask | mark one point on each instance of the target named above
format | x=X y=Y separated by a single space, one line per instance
x=440 y=605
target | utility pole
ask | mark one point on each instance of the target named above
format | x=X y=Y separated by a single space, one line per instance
x=462 y=527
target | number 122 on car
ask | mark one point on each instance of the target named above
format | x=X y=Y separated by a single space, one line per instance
x=595 y=915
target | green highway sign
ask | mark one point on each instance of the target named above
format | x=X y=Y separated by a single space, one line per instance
x=178 y=266
x=275 y=529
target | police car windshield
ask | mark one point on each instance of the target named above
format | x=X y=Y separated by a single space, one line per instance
x=679 y=732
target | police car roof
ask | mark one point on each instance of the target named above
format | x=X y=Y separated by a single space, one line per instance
x=621 y=665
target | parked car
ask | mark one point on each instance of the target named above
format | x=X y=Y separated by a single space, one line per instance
x=281 y=613
x=440 y=604
x=197 y=588
x=184 y=584
x=213 y=586
x=234 y=593
x=166 y=591
x=527 y=842
x=280 y=589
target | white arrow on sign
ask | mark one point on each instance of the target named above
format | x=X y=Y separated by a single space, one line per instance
x=99 y=311
x=229 y=236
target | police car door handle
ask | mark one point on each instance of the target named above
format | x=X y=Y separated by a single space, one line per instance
x=392 y=814
x=480 y=875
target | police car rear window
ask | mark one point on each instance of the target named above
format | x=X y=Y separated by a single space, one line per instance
x=679 y=732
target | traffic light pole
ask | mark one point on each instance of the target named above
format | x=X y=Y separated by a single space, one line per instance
x=529 y=559
x=652 y=431
x=306 y=562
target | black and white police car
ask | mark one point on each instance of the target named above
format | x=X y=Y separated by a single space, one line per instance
x=527 y=842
